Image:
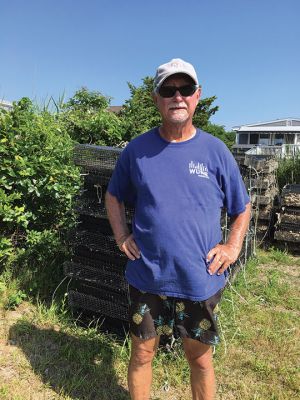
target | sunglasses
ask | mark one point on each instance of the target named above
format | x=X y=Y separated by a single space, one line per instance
x=169 y=91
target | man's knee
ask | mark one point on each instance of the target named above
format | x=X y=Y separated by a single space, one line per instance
x=143 y=351
x=201 y=363
x=141 y=357
x=199 y=355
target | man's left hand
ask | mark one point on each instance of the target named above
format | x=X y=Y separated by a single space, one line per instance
x=223 y=255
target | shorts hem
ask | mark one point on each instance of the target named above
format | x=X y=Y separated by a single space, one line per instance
x=212 y=342
x=144 y=337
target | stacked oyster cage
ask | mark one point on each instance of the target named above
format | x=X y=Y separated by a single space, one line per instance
x=98 y=286
x=288 y=226
x=260 y=177
x=97 y=266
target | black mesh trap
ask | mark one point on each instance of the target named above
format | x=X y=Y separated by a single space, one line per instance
x=100 y=276
x=100 y=159
x=90 y=257
x=82 y=301
x=115 y=266
x=97 y=242
x=113 y=296
x=290 y=227
x=85 y=205
x=293 y=188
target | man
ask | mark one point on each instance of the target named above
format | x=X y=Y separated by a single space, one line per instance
x=180 y=177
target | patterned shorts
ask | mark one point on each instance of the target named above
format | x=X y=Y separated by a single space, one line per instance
x=151 y=315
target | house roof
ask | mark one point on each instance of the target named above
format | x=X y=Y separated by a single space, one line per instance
x=115 y=109
x=278 y=125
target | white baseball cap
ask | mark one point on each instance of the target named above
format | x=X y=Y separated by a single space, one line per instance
x=175 y=66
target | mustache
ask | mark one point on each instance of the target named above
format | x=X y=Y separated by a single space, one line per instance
x=177 y=105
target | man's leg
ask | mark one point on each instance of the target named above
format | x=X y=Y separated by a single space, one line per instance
x=140 y=367
x=199 y=356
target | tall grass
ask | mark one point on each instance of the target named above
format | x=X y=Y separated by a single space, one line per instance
x=288 y=171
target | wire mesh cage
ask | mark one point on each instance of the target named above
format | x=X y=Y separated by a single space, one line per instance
x=291 y=188
x=100 y=276
x=290 y=195
x=290 y=227
x=100 y=261
x=97 y=243
x=288 y=236
x=97 y=266
x=114 y=296
x=290 y=215
x=96 y=158
x=261 y=182
x=93 y=224
x=264 y=213
x=261 y=164
x=85 y=205
x=247 y=251
x=83 y=301
x=93 y=188
x=91 y=257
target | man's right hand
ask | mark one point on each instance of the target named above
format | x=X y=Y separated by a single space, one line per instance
x=129 y=247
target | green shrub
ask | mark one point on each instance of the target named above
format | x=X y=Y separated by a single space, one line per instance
x=288 y=171
x=37 y=184
x=87 y=120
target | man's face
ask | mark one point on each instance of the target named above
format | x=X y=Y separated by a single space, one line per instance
x=177 y=109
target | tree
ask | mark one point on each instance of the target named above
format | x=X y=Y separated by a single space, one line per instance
x=219 y=131
x=139 y=113
x=87 y=119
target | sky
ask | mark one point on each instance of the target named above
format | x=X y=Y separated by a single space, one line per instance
x=245 y=52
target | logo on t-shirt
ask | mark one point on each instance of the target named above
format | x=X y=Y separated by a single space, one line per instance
x=199 y=169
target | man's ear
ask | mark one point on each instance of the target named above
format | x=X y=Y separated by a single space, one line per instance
x=199 y=93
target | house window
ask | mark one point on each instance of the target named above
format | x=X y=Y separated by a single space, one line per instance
x=243 y=138
x=289 y=138
x=264 y=139
x=278 y=140
x=254 y=138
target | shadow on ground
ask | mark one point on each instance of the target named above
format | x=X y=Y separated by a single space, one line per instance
x=81 y=368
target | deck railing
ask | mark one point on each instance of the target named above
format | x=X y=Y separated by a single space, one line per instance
x=283 y=151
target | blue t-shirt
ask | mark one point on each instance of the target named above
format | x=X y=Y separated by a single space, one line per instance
x=178 y=191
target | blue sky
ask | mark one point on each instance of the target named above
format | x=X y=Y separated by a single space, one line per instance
x=246 y=52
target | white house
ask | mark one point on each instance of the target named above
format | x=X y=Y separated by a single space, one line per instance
x=6 y=105
x=271 y=133
x=281 y=133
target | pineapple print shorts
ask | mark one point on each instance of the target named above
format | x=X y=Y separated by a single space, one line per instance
x=151 y=315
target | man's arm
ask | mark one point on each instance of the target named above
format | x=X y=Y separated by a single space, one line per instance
x=116 y=215
x=225 y=254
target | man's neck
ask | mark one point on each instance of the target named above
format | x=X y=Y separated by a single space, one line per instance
x=177 y=133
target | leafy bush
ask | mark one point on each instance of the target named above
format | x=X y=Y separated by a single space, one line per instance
x=37 y=184
x=87 y=120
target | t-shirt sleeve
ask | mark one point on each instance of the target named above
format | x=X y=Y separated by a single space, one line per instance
x=120 y=184
x=236 y=196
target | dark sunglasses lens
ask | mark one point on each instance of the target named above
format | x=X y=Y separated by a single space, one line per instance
x=187 y=90
x=169 y=91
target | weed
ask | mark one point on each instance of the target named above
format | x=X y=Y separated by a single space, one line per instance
x=14 y=300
